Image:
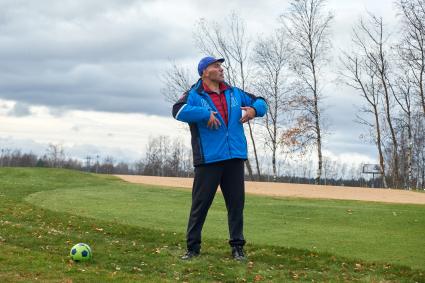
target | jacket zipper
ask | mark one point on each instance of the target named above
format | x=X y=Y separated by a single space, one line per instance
x=229 y=105
x=222 y=119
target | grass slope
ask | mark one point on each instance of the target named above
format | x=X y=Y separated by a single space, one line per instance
x=134 y=240
x=371 y=231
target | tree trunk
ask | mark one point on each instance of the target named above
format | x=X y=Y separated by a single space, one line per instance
x=395 y=174
x=255 y=152
x=409 y=153
x=319 y=144
x=383 y=76
x=250 y=129
x=319 y=155
x=274 y=164
x=421 y=88
x=248 y=166
x=317 y=125
x=378 y=143
x=274 y=147
x=423 y=171
x=421 y=79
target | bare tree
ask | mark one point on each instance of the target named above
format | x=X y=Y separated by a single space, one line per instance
x=174 y=158
x=412 y=47
x=166 y=157
x=107 y=166
x=307 y=25
x=330 y=170
x=373 y=40
x=56 y=155
x=418 y=158
x=139 y=165
x=403 y=96
x=176 y=80
x=121 y=168
x=272 y=56
x=2 y=157
x=361 y=74
x=232 y=44
x=187 y=163
x=153 y=162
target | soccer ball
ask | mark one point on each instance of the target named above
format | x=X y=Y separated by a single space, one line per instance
x=80 y=252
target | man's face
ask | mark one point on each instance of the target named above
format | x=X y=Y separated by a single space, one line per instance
x=214 y=72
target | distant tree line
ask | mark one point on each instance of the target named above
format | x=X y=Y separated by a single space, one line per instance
x=55 y=158
x=169 y=157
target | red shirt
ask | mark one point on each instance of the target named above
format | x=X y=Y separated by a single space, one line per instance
x=219 y=100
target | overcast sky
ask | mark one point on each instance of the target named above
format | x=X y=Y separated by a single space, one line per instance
x=86 y=74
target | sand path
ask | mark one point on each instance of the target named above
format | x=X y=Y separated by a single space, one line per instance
x=297 y=190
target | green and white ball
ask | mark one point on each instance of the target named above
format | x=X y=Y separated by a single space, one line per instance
x=81 y=252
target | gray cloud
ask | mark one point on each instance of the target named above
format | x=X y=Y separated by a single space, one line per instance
x=20 y=110
x=87 y=55
x=90 y=88
x=107 y=55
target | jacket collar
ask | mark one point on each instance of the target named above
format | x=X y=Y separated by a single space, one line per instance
x=198 y=86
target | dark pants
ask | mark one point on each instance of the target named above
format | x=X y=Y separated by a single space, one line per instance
x=229 y=175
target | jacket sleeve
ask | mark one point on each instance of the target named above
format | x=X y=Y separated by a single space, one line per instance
x=185 y=112
x=258 y=103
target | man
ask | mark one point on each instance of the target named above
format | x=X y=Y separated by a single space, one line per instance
x=213 y=110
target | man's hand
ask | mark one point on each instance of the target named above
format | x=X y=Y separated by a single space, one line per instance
x=213 y=122
x=249 y=114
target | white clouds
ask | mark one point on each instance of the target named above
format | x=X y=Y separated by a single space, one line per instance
x=123 y=136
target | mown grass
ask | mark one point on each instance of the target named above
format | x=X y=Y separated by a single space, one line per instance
x=142 y=244
x=370 y=231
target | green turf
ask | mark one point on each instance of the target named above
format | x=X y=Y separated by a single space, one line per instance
x=137 y=234
x=370 y=231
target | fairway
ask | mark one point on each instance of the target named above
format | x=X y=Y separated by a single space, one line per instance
x=363 y=230
x=137 y=233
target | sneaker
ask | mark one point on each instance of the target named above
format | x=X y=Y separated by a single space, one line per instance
x=238 y=253
x=189 y=255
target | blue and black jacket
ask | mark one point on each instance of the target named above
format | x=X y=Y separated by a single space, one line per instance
x=226 y=142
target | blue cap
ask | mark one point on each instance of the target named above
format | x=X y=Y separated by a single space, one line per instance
x=205 y=62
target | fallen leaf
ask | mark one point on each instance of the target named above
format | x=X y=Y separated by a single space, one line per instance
x=258 y=277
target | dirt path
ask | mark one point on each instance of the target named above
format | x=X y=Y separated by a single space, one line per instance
x=297 y=190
